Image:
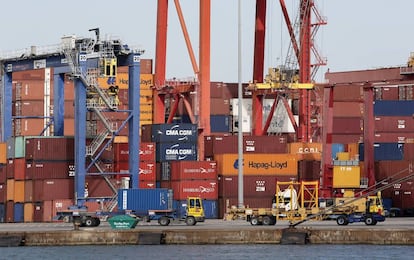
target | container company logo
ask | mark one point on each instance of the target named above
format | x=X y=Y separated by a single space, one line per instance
x=175 y=152
x=176 y=131
x=201 y=189
x=263 y=165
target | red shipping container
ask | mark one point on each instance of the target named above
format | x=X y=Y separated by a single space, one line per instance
x=409 y=151
x=50 y=148
x=348 y=93
x=147 y=185
x=59 y=205
x=392 y=137
x=38 y=211
x=387 y=93
x=98 y=187
x=251 y=144
x=28 y=191
x=348 y=109
x=147 y=170
x=400 y=124
x=253 y=186
x=3 y=192
x=38 y=170
x=347 y=125
x=193 y=170
x=3 y=174
x=47 y=215
x=391 y=170
x=309 y=170
x=53 y=189
x=347 y=139
x=206 y=189
x=9 y=211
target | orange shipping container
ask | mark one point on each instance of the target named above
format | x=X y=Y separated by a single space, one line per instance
x=257 y=164
x=69 y=127
x=10 y=189
x=306 y=151
x=19 y=191
x=3 y=153
x=29 y=126
x=28 y=212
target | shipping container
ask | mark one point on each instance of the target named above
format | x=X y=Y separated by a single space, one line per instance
x=32 y=108
x=388 y=137
x=170 y=133
x=348 y=109
x=180 y=151
x=408 y=151
x=384 y=151
x=52 y=189
x=346 y=177
x=400 y=124
x=119 y=152
x=193 y=170
x=38 y=211
x=258 y=164
x=147 y=184
x=18 y=214
x=2 y=212
x=16 y=168
x=146 y=170
x=144 y=199
x=19 y=191
x=391 y=170
x=306 y=151
x=220 y=123
x=28 y=190
x=3 y=192
x=3 y=153
x=348 y=93
x=28 y=210
x=205 y=189
x=47 y=211
x=348 y=125
x=96 y=186
x=10 y=189
x=9 y=211
x=362 y=76
x=50 y=148
x=29 y=126
x=16 y=147
x=394 y=108
x=309 y=170
x=220 y=106
x=38 y=170
x=337 y=148
x=222 y=144
x=253 y=186
x=386 y=92
x=347 y=138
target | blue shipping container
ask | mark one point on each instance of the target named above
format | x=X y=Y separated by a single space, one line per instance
x=210 y=208
x=394 y=108
x=142 y=200
x=384 y=151
x=2 y=212
x=18 y=212
x=337 y=148
x=176 y=151
x=220 y=123
x=174 y=133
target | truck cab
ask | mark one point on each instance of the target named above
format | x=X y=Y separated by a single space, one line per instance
x=194 y=211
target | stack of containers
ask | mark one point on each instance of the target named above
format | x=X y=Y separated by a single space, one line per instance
x=174 y=142
x=118 y=154
x=348 y=112
x=195 y=179
x=309 y=160
x=32 y=101
x=263 y=165
x=394 y=149
x=3 y=181
x=220 y=119
x=39 y=177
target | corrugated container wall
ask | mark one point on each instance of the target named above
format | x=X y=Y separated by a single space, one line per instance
x=142 y=200
x=50 y=148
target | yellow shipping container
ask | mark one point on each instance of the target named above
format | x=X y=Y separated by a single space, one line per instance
x=343 y=156
x=346 y=177
x=306 y=151
x=257 y=164
x=19 y=191
x=28 y=212
x=145 y=100
x=147 y=81
x=3 y=153
x=10 y=189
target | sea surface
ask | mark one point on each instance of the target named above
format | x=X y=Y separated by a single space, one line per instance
x=225 y=252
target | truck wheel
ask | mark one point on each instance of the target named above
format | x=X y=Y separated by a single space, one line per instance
x=96 y=222
x=190 y=221
x=369 y=221
x=254 y=221
x=164 y=221
x=267 y=221
x=342 y=221
x=89 y=222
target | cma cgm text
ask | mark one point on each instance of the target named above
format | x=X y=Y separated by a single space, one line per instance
x=179 y=132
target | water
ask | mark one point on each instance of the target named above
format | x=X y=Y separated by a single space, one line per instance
x=201 y=252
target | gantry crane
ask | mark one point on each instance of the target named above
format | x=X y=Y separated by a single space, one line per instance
x=288 y=80
x=179 y=89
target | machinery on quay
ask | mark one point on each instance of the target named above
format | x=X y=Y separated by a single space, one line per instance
x=158 y=204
